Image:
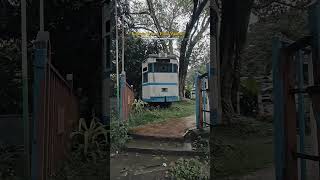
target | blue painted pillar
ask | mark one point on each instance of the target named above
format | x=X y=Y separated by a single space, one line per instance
x=39 y=67
x=122 y=96
x=278 y=109
x=204 y=93
x=196 y=80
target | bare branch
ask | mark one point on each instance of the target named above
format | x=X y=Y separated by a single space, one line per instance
x=140 y=13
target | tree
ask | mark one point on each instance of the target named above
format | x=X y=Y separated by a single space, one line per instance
x=138 y=51
x=75 y=38
x=233 y=32
x=190 y=39
x=10 y=77
x=157 y=16
x=234 y=23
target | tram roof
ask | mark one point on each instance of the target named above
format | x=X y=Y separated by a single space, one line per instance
x=161 y=56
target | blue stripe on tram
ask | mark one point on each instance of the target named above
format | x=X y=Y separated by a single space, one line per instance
x=164 y=84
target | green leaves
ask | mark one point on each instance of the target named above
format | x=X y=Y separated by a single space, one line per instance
x=138 y=106
x=119 y=135
x=92 y=139
x=191 y=169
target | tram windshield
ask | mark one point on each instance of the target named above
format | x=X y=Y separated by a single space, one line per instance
x=163 y=67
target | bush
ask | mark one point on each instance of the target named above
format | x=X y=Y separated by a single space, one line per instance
x=138 y=106
x=92 y=142
x=188 y=169
x=119 y=135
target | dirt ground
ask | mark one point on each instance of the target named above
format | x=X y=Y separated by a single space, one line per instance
x=172 y=128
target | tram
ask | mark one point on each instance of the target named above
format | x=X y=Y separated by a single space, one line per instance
x=160 y=82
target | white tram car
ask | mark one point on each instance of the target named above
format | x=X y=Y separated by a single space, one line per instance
x=160 y=82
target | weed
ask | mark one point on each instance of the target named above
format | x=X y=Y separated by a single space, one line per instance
x=92 y=141
x=188 y=169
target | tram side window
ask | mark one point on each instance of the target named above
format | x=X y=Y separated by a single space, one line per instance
x=161 y=67
x=145 y=77
x=175 y=68
x=150 y=68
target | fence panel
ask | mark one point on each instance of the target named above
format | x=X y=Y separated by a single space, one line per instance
x=62 y=115
x=127 y=98
x=56 y=113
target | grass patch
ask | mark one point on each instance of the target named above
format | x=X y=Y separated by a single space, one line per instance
x=176 y=110
x=243 y=148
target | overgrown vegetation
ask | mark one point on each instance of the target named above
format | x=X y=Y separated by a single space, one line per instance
x=119 y=135
x=189 y=169
x=91 y=142
x=90 y=153
x=177 y=110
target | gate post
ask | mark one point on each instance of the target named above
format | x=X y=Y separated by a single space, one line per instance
x=123 y=99
x=278 y=109
x=39 y=97
x=314 y=23
x=198 y=93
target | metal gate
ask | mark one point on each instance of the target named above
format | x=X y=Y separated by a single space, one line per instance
x=289 y=90
x=55 y=114
x=202 y=99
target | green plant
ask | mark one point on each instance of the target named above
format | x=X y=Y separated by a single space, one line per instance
x=92 y=140
x=188 y=169
x=138 y=106
x=119 y=135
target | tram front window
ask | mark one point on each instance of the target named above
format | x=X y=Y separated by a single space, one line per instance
x=162 y=67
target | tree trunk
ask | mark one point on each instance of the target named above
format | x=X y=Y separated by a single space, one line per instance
x=227 y=39
x=235 y=84
x=234 y=25
x=183 y=60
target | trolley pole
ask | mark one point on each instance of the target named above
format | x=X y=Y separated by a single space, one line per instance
x=25 y=88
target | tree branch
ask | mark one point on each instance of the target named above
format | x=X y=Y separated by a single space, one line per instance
x=139 y=13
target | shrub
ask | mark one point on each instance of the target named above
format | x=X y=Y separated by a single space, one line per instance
x=119 y=135
x=188 y=169
x=138 y=106
x=92 y=141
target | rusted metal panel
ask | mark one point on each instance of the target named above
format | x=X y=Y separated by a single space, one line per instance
x=57 y=113
x=127 y=98
x=291 y=167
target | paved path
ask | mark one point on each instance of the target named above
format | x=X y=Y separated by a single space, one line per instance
x=172 y=128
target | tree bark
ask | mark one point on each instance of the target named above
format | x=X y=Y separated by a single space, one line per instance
x=235 y=20
x=183 y=61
